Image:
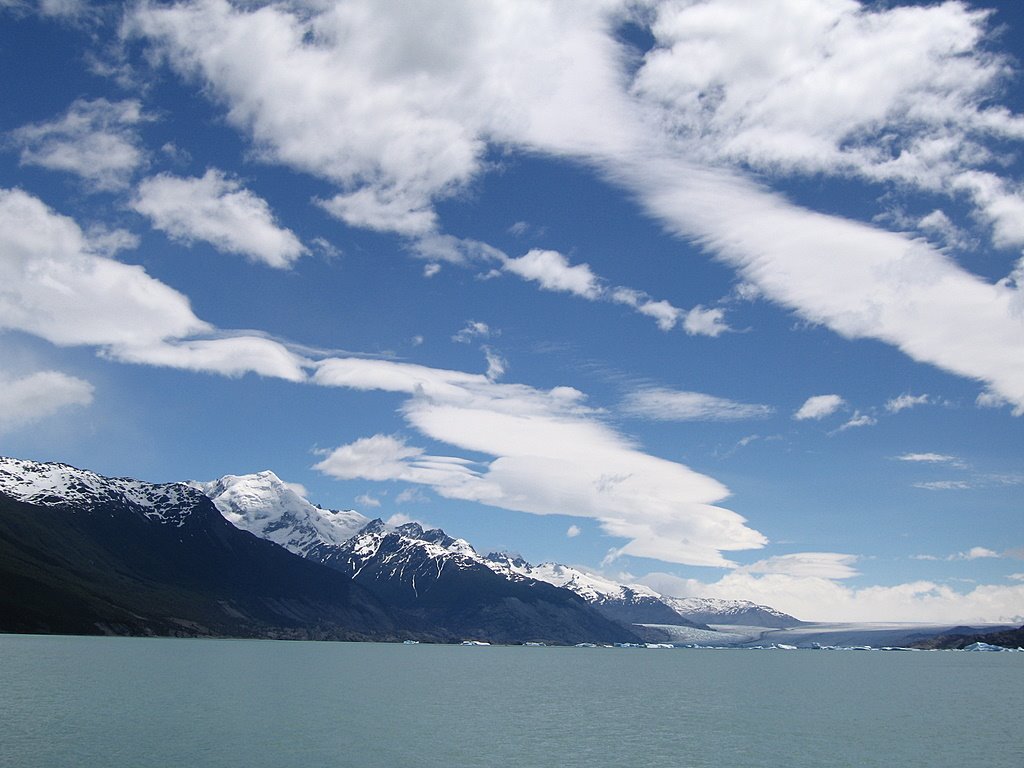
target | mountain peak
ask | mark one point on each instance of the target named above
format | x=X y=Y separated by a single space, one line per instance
x=265 y=505
x=51 y=484
x=373 y=526
x=413 y=530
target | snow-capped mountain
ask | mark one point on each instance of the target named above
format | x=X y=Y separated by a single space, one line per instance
x=709 y=610
x=628 y=604
x=89 y=553
x=445 y=583
x=637 y=604
x=264 y=505
x=439 y=583
x=405 y=560
x=86 y=554
x=67 y=487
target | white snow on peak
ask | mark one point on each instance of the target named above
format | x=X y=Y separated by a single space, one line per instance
x=410 y=542
x=590 y=586
x=718 y=607
x=50 y=484
x=266 y=506
x=597 y=589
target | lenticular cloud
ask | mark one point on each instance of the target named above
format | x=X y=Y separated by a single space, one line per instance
x=546 y=453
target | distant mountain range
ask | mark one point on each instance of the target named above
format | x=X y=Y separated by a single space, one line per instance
x=248 y=556
x=959 y=638
x=381 y=557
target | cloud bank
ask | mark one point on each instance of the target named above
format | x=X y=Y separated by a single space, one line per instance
x=544 y=452
x=834 y=87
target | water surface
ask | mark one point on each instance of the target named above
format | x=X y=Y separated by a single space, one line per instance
x=74 y=701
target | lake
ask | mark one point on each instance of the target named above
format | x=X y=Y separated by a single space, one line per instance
x=81 y=701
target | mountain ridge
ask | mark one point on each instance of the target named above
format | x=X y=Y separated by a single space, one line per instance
x=95 y=555
x=626 y=604
x=92 y=555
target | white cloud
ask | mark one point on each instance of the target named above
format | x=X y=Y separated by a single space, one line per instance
x=573 y=531
x=473 y=329
x=729 y=87
x=367 y=500
x=667 y=316
x=229 y=356
x=386 y=457
x=496 y=364
x=939 y=226
x=56 y=284
x=301 y=96
x=297 y=488
x=551 y=270
x=859 y=281
x=410 y=496
x=675 y=405
x=929 y=458
x=905 y=401
x=95 y=139
x=701 y=321
x=38 y=395
x=822 y=599
x=990 y=399
x=999 y=204
x=886 y=93
x=549 y=455
x=858 y=420
x=975 y=553
x=382 y=210
x=63 y=8
x=818 y=407
x=380 y=457
x=664 y=313
x=823 y=565
x=219 y=211
x=944 y=485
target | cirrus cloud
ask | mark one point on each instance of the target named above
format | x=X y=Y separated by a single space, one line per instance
x=674 y=405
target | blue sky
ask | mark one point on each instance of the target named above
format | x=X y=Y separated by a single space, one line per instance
x=718 y=296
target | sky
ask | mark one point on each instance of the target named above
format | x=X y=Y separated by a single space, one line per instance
x=719 y=296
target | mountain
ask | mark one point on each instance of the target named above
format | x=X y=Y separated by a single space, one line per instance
x=85 y=554
x=709 y=610
x=637 y=604
x=959 y=638
x=634 y=604
x=265 y=506
x=439 y=584
x=442 y=582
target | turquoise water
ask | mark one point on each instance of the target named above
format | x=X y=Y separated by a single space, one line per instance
x=74 y=701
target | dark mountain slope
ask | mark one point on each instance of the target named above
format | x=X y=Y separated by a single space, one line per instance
x=441 y=582
x=961 y=637
x=108 y=568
